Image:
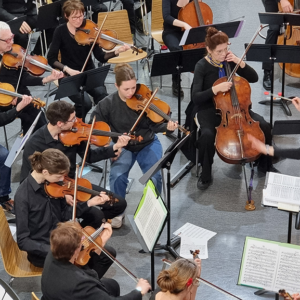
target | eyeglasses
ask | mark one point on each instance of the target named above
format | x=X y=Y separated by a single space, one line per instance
x=72 y=120
x=7 y=41
x=77 y=18
x=223 y=50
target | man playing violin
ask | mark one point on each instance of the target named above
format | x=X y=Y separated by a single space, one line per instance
x=5 y=172
x=73 y=55
x=120 y=117
x=12 y=76
x=37 y=214
x=61 y=116
x=72 y=283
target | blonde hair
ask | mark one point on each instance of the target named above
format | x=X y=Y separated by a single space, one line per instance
x=174 y=280
x=123 y=72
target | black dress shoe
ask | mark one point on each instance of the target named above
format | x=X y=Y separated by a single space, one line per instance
x=267 y=81
x=175 y=91
x=270 y=169
x=203 y=185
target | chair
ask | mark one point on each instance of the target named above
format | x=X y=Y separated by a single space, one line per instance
x=197 y=150
x=34 y=296
x=119 y=22
x=14 y=260
x=6 y=292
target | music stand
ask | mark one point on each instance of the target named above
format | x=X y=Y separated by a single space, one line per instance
x=15 y=24
x=280 y=53
x=285 y=20
x=165 y=163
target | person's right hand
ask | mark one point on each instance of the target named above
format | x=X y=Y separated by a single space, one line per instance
x=71 y=72
x=296 y=102
x=25 y=28
x=25 y=101
x=223 y=87
x=286 y=6
x=144 y=285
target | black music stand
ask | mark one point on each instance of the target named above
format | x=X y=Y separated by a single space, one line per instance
x=285 y=20
x=15 y=24
x=80 y=83
x=278 y=53
x=165 y=163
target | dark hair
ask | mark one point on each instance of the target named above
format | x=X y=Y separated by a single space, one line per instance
x=214 y=38
x=59 y=111
x=176 y=277
x=71 y=6
x=52 y=160
x=64 y=240
x=123 y=72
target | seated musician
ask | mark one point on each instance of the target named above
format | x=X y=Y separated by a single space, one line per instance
x=72 y=283
x=73 y=55
x=37 y=214
x=5 y=172
x=11 y=76
x=207 y=71
x=180 y=281
x=61 y=116
x=173 y=33
x=120 y=117
x=267 y=149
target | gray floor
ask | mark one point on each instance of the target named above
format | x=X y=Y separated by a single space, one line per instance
x=220 y=208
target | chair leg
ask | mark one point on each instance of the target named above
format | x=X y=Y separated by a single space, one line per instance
x=5 y=136
x=11 y=281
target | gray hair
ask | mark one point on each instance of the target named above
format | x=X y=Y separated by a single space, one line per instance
x=3 y=26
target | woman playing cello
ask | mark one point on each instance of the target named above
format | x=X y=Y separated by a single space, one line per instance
x=207 y=71
x=73 y=55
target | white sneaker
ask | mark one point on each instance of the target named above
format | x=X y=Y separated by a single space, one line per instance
x=117 y=221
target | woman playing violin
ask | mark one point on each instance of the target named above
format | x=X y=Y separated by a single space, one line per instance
x=73 y=55
x=114 y=111
x=37 y=214
x=11 y=76
x=207 y=71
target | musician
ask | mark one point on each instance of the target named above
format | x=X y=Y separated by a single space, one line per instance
x=61 y=116
x=207 y=71
x=120 y=117
x=5 y=172
x=272 y=35
x=62 y=279
x=173 y=33
x=180 y=281
x=37 y=214
x=11 y=76
x=73 y=55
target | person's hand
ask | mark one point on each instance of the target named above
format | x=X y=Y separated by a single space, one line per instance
x=144 y=285
x=296 y=102
x=122 y=49
x=198 y=263
x=121 y=142
x=71 y=72
x=106 y=233
x=296 y=296
x=222 y=87
x=187 y=26
x=117 y=155
x=14 y=102
x=286 y=6
x=25 y=101
x=259 y=145
x=231 y=57
x=172 y=125
x=25 y=28
x=98 y=200
x=53 y=76
x=69 y=199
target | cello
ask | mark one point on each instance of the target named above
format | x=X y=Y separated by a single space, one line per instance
x=196 y=13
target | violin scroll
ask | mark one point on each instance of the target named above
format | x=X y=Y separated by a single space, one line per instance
x=38 y=103
x=286 y=295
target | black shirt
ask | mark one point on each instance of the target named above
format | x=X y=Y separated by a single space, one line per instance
x=42 y=140
x=8 y=116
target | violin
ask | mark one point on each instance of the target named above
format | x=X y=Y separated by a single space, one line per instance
x=196 y=13
x=86 y=34
x=67 y=186
x=286 y=295
x=158 y=110
x=80 y=131
x=34 y=64
x=7 y=95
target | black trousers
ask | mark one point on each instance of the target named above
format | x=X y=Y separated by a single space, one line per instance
x=209 y=120
x=171 y=40
x=273 y=32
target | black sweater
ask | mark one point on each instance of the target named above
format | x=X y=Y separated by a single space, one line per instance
x=287 y=153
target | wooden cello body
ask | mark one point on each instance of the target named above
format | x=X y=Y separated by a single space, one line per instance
x=196 y=13
x=232 y=143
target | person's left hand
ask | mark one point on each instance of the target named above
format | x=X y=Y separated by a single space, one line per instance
x=172 y=125
x=98 y=200
x=122 y=49
x=198 y=263
x=53 y=76
x=231 y=57
x=25 y=28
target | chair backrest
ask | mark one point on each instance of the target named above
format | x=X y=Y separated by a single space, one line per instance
x=34 y=296
x=119 y=22
x=157 y=20
x=14 y=260
x=6 y=292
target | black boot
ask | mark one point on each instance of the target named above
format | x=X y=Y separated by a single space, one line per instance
x=175 y=90
x=267 y=80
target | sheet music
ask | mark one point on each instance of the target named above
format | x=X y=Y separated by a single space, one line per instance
x=259 y=264
x=187 y=244
x=2 y=292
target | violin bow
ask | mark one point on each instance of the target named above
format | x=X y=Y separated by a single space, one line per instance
x=112 y=258
x=143 y=111
x=75 y=194
x=94 y=43
x=87 y=147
